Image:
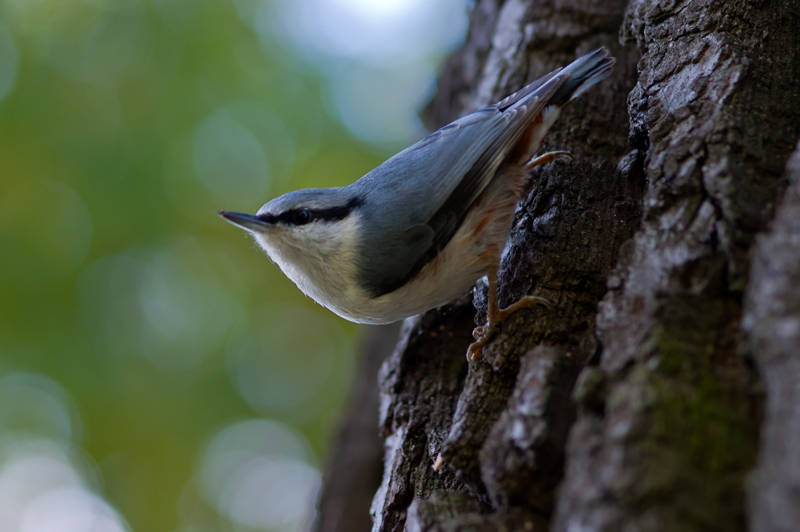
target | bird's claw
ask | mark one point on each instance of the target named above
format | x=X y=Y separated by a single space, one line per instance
x=484 y=333
x=479 y=331
x=549 y=157
x=475 y=350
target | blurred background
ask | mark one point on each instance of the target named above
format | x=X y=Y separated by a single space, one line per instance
x=157 y=372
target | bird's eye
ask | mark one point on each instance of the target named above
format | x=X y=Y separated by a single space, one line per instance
x=302 y=217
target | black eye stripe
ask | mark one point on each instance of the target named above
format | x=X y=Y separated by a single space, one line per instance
x=331 y=214
x=268 y=218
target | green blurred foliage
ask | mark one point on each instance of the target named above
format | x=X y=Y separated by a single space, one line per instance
x=125 y=127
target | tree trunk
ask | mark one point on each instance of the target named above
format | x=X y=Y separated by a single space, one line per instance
x=662 y=392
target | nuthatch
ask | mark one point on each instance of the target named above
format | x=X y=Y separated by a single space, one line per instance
x=418 y=231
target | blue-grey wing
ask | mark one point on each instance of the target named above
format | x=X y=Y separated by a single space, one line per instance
x=416 y=200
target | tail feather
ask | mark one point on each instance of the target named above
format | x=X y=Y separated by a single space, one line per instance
x=573 y=80
x=584 y=72
x=523 y=93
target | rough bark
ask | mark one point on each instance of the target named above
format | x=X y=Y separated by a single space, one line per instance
x=635 y=404
x=772 y=321
x=677 y=434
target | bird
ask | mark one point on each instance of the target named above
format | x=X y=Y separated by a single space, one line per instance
x=419 y=230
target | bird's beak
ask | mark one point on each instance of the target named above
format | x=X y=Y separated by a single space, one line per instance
x=248 y=222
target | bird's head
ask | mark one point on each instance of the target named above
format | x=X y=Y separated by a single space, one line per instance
x=306 y=228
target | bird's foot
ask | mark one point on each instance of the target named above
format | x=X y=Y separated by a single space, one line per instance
x=495 y=317
x=482 y=335
x=549 y=157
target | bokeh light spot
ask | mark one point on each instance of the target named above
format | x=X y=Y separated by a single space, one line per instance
x=182 y=307
x=272 y=493
x=36 y=405
x=257 y=473
x=69 y=510
x=281 y=368
x=42 y=490
x=229 y=161
x=377 y=33
x=94 y=41
x=380 y=56
x=372 y=10
x=168 y=305
x=374 y=103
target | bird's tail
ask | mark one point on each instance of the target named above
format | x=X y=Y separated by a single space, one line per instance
x=584 y=72
x=552 y=93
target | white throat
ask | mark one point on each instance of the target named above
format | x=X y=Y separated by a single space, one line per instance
x=319 y=258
